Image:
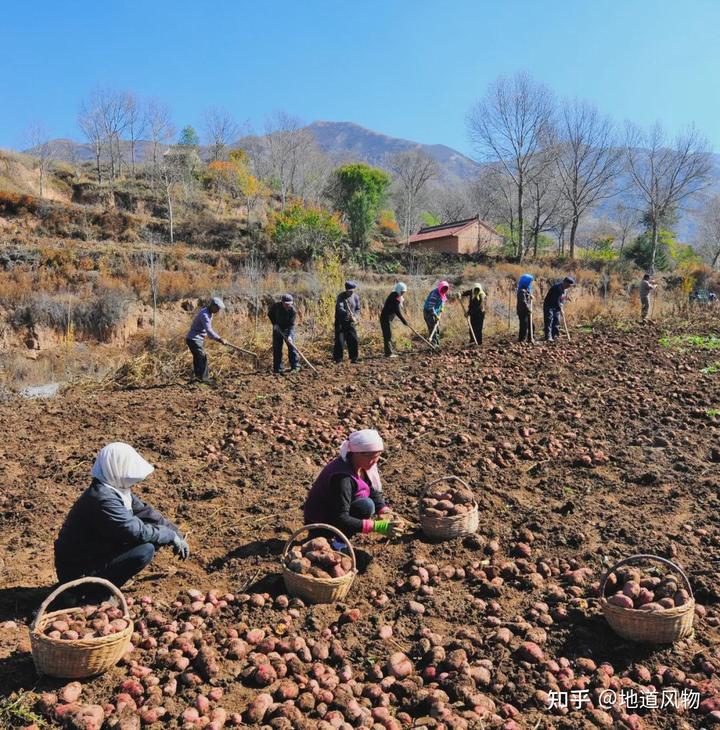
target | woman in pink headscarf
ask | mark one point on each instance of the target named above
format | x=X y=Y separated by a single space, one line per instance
x=433 y=309
x=347 y=493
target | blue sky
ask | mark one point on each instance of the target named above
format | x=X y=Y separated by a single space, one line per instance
x=405 y=68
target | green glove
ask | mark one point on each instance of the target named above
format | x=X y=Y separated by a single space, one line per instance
x=381 y=526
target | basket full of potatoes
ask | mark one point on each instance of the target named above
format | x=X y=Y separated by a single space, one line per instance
x=314 y=570
x=448 y=509
x=648 y=606
x=83 y=641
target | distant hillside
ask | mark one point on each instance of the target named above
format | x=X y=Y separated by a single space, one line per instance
x=345 y=141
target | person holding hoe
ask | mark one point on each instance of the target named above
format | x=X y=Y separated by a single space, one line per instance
x=110 y=532
x=391 y=309
x=347 y=316
x=524 y=308
x=200 y=328
x=347 y=493
x=646 y=288
x=433 y=309
x=475 y=311
x=553 y=307
x=282 y=314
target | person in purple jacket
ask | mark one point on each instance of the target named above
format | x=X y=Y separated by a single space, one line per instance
x=200 y=328
x=347 y=493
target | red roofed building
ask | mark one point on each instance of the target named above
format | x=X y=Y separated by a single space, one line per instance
x=469 y=236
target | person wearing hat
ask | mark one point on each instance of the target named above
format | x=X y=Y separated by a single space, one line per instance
x=476 y=310
x=524 y=308
x=348 y=494
x=282 y=314
x=391 y=309
x=200 y=328
x=110 y=532
x=433 y=309
x=347 y=315
x=552 y=307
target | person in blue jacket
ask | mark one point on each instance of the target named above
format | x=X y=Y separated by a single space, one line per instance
x=552 y=307
x=109 y=532
x=433 y=309
x=524 y=308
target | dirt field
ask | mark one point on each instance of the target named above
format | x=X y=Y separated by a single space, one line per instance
x=579 y=454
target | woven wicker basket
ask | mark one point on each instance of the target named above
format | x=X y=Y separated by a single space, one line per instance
x=318 y=590
x=83 y=657
x=446 y=528
x=661 y=627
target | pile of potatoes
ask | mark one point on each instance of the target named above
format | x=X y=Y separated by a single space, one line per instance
x=88 y=622
x=629 y=588
x=317 y=558
x=444 y=501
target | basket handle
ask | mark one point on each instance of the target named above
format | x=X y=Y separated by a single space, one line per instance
x=448 y=478
x=319 y=525
x=65 y=586
x=638 y=559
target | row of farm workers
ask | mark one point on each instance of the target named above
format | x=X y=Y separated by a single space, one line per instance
x=283 y=315
x=111 y=533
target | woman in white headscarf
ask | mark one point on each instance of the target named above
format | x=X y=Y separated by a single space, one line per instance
x=109 y=532
x=347 y=493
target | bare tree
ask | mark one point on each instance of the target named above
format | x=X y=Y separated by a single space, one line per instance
x=708 y=235
x=90 y=122
x=38 y=140
x=627 y=220
x=545 y=197
x=167 y=178
x=286 y=146
x=160 y=129
x=665 y=174
x=451 y=203
x=136 y=121
x=114 y=107
x=588 y=160
x=483 y=195
x=153 y=264
x=413 y=169
x=511 y=125
x=220 y=131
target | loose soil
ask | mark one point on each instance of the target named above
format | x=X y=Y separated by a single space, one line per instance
x=588 y=451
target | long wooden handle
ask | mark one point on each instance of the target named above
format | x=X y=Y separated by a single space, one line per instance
x=80 y=581
x=290 y=343
x=319 y=526
x=638 y=559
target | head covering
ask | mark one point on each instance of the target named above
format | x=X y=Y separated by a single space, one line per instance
x=218 y=302
x=443 y=285
x=477 y=287
x=569 y=281
x=350 y=285
x=400 y=288
x=525 y=282
x=366 y=440
x=119 y=466
x=286 y=298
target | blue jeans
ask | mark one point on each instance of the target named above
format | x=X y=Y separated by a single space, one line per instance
x=278 y=342
x=552 y=322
